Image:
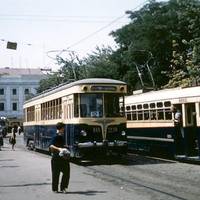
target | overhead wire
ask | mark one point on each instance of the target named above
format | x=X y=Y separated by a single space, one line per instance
x=74 y=19
x=65 y=18
x=95 y=32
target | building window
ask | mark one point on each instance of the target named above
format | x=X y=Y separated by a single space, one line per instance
x=1 y=106
x=1 y=91
x=14 y=91
x=14 y=106
x=26 y=91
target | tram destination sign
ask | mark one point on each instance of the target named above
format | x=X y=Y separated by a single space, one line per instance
x=103 y=88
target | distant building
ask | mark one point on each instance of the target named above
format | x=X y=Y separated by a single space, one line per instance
x=16 y=85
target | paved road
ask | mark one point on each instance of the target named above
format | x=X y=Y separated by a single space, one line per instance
x=27 y=175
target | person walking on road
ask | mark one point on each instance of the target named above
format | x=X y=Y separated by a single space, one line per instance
x=60 y=160
x=13 y=136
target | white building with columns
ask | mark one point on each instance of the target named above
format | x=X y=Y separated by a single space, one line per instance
x=16 y=84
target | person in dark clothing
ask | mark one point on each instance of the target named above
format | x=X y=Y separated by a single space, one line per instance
x=13 y=136
x=179 y=133
x=59 y=163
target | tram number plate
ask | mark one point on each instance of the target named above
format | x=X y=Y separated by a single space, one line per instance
x=182 y=100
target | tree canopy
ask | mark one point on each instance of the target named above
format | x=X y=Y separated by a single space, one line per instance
x=160 y=47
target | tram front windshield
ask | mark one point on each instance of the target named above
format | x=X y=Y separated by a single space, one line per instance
x=99 y=105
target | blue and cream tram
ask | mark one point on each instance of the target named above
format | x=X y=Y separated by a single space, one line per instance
x=150 y=121
x=90 y=108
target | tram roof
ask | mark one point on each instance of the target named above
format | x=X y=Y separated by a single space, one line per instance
x=166 y=94
x=79 y=82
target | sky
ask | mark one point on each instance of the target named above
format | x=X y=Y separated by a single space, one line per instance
x=42 y=28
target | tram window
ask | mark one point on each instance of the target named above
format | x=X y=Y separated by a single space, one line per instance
x=91 y=105
x=199 y=109
x=128 y=116
x=53 y=110
x=140 y=115
x=128 y=107
x=75 y=105
x=133 y=107
x=139 y=106
x=145 y=106
x=121 y=105
x=111 y=105
x=189 y=119
x=153 y=114
x=152 y=105
x=168 y=114
x=146 y=114
x=134 y=116
x=167 y=104
x=31 y=113
x=83 y=108
x=160 y=114
x=159 y=104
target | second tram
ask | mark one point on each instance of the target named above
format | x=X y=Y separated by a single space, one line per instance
x=150 y=121
x=90 y=109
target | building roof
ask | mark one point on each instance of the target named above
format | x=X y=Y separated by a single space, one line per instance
x=20 y=71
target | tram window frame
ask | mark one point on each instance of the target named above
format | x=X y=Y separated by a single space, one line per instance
x=128 y=116
x=134 y=115
x=159 y=104
x=167 y=104
x=128 y=108
x=121 y=107
x=146 y=115
x=139 y=106
x=54 y=109
x=146 y=106
x=30 y=113
x=189 y=118
x=133 y=107
x=199 y=109
x=140 y=115
x=160 y=114
x=153 y=114
x=76 y=105
x=168 y=112
x=152 y=105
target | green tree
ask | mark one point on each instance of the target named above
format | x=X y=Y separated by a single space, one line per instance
x=52 y=80
x=153 y=29
x=71 y=69
x=161 y=41
x=100 y=64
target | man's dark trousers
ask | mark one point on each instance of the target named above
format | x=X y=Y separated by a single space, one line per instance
x=59 y=165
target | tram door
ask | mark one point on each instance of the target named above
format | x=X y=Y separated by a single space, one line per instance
x=190 y=130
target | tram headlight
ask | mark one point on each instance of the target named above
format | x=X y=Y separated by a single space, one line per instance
x=83 y=133
x=123 y=133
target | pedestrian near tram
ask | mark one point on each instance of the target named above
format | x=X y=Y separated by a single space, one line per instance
x=60 y=160
x=13 y=136
x=179 y=132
